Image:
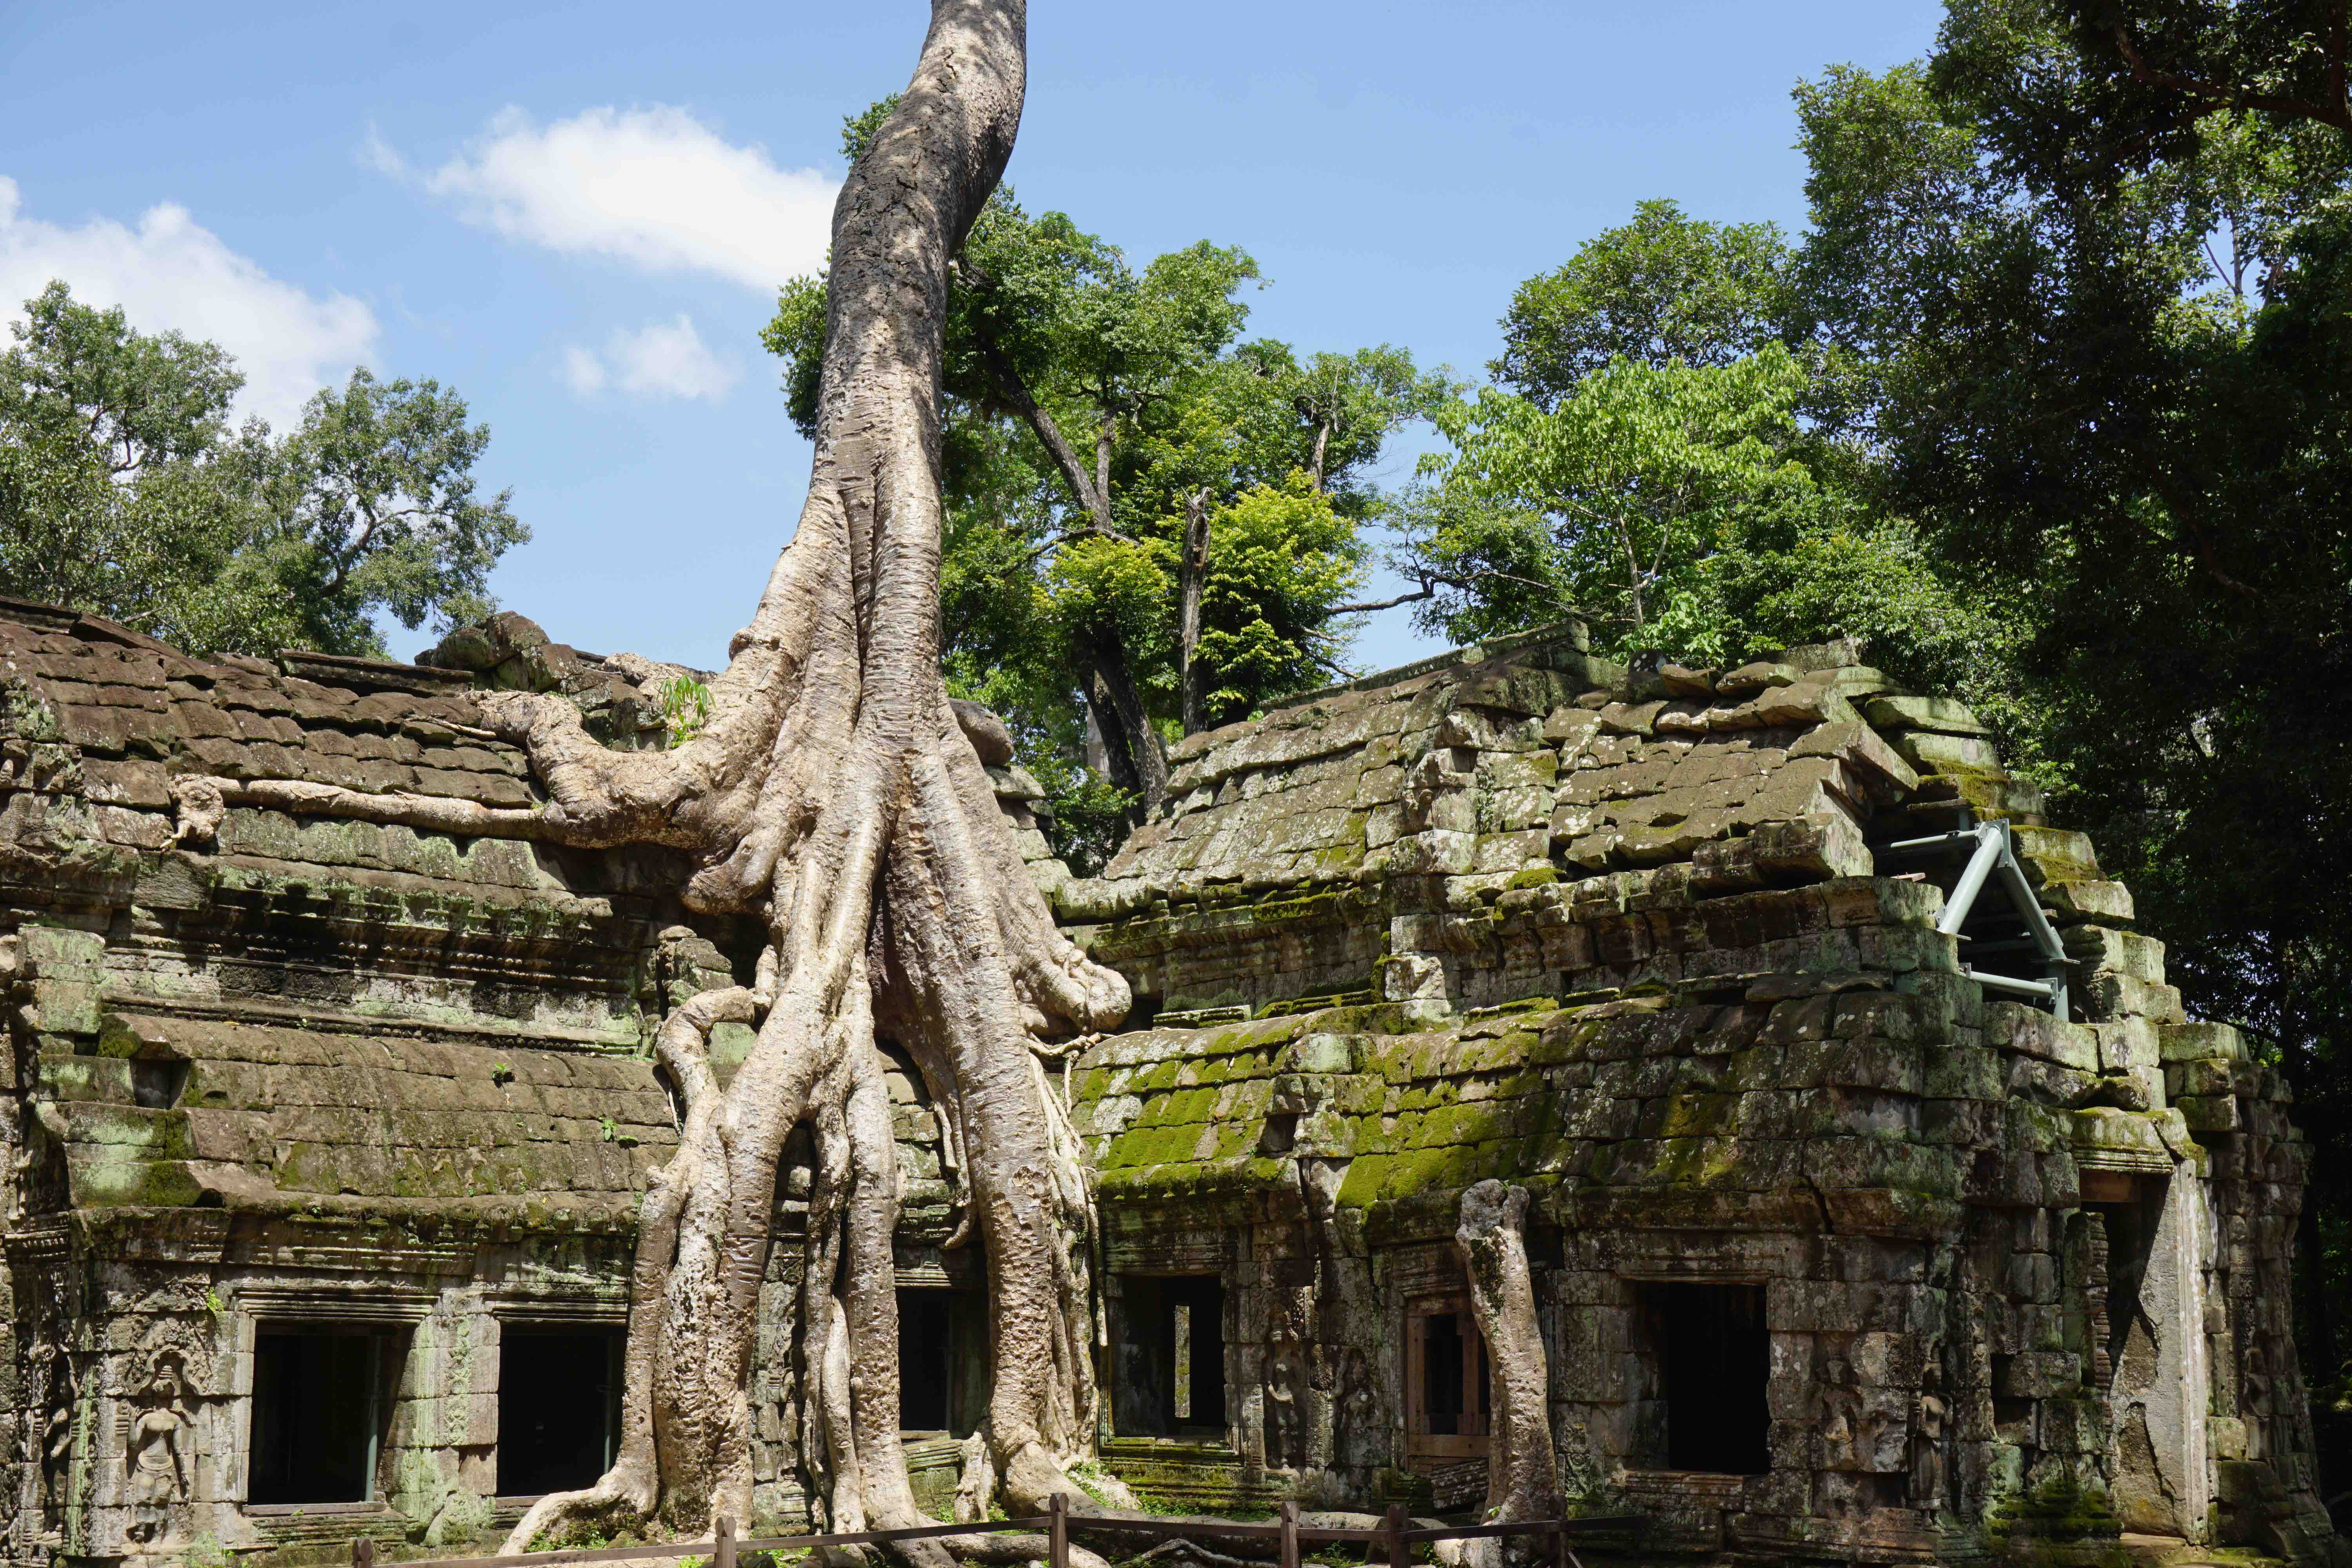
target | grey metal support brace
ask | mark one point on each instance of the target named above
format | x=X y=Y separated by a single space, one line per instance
x=1996 y=855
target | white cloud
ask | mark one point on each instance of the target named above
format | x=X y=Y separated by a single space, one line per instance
x=583 y=371
x=653 y=187
x=661 y=359
x=170 y=273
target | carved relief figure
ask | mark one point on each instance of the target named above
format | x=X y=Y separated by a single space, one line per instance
x=159 y=1450
x=1285 y=1385
x=1927 y=1450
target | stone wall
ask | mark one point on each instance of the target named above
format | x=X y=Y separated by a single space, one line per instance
x=1634 y=939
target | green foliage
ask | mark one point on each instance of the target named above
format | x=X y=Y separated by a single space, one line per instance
x=1664 y=288
x=124 y=491
x=1280 y=556
x=1142 y=373
x=1609 y=501
x=686 y=708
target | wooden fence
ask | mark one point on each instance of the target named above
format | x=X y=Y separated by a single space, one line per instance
x=1391 y=1542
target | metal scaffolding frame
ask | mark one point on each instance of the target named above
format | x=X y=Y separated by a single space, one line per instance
x=1992 y=853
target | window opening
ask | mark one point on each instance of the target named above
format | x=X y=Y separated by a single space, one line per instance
x=321 y=1403
x=1710 y=1357
x=559 y=1407
x=156 y=1084
x=1447 y=1381
x=1169 y=1355
x=2019 y=951
x=943 y=1361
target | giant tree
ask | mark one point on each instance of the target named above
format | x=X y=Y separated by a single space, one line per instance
x=833 y=796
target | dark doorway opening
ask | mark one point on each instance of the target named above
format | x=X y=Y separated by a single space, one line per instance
x=1168 y=1356
x=559 y=1407
x=943 y=1361
x=1454 y=1375
x=1714 y=1357
x=1447 y=1381
x=322 y=1403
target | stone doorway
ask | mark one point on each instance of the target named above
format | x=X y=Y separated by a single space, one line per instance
x=559 y=1407
x=321 y=1404
x=1168 y=1356
x=1707 y=1356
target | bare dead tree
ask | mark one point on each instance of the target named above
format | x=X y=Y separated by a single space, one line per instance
x=1192 y=576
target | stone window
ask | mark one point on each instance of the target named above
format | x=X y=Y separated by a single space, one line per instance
x=321 y=1408
x=559 y=1407
x=943 y=1361
x=1447 y=1384
x=1168 y=1356
x=1703 y=1355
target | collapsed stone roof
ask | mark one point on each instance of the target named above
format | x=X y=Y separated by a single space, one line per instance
x=1527 y=763
x=442 y=1017
x=1519 y=797
x=1522 y=911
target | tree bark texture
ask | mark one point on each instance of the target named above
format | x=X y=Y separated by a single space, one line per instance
x=832 y=795
x=1136 y=760
x=1192 y=576
x=1522 y=1470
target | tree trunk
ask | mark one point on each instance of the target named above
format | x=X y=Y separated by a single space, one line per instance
x=1138 y=762
x=1192 y=576
x=832 y=795
x=1522 y=1471
x=1113 y=686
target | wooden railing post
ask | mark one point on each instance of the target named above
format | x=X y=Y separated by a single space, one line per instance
x=722 y=1553
x=1289 y=1514
x=1057 y=1530
x=1394 y=1526
x=363 y=1552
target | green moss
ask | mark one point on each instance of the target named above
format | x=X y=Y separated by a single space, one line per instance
x=1535 y=877
x=2060 y=1509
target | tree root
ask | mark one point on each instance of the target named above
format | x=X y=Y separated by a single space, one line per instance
x=1522 y=1470
x=835 y=795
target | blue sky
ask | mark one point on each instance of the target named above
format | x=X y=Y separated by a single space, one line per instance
x=575 y=214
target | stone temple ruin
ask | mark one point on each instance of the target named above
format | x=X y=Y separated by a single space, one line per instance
x=1885 y=1207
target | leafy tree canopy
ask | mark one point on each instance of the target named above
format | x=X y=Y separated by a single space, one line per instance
x=1666 y=289
x=123 y=490
x=1101 y=416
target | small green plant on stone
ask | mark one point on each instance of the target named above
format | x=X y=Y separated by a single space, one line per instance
x=204 y=1551
x=502 y=1074
x=686 y=708
x=1089 y=1475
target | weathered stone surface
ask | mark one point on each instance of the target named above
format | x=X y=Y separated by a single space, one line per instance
x=1616 y=935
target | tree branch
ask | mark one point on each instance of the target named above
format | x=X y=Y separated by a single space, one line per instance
x=2338 y=113
x=1085 y=531
x=1432 y=581
x=1428 y=590
x=1095 y=503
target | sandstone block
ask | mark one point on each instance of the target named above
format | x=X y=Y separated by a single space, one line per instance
x=1941 y=714
x=2015 y=1027
x=2099 y=950
x=2179 y=1042
x=2122 y=996
x=2039 y=1374
x=2211 y=1114
x=2127 y=1044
